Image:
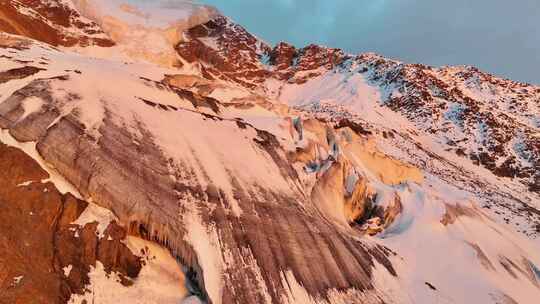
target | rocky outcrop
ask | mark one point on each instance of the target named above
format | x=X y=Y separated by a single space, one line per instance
x=18 y=73
x=225 y=50
x=54 y=22
x=39 y=240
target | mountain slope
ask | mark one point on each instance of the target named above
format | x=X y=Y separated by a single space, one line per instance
x=493 y=122
x=352 y=194
x=54 y=22
x=459 y=117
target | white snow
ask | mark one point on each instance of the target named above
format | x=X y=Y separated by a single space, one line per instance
x=8 y=64
x=350 y=90
x=443 y=255
x=146 y=30
x=31 y=105
x=192 y=300
x=266 y=120
x=211 y=42
x=94 y=213
x=67 y=270
x=295 y=293
x=17 y=280
x=205 y=242
x=158 y=282
x=25 y=184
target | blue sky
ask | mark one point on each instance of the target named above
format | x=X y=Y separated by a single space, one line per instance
x=499 y=36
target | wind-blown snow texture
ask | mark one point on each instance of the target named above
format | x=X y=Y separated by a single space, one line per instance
x=284 y=175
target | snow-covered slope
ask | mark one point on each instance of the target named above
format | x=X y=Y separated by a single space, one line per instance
x=479 y=135
x=279 y=175
x=492 y=122
x=146 y=30
x=454 y=122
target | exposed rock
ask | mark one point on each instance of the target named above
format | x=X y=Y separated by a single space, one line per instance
x=225 y=50
x=259 y=202
x=54 y=22
x=18 y=73
x=38 y=240
x=283 y=56
x=454 y=212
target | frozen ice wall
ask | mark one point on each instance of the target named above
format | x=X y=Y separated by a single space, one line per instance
x=146 y=30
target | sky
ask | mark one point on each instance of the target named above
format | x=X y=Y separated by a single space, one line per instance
x=499 y=36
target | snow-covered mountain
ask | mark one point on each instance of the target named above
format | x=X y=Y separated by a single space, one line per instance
x=157 y=152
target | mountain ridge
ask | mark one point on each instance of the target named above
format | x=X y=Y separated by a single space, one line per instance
x=360 y=170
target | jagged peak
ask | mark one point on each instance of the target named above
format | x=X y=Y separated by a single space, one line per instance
x=154 y=14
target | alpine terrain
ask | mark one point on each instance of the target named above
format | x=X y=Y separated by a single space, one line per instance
x=157 y=152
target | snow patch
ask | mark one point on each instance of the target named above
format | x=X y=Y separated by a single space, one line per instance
x=67 y=270
x=161 y=271
x=467 y=245
x=96 y=214
x=25 y=184
x=205 y=242
x=159 y=282
x=31 y=105
x=17 y=280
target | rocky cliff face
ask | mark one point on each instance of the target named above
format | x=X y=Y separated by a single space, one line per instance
x=55 y=22
x=271 y=175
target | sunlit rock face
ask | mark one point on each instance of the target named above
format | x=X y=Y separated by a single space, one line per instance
x=46 y=254
x=241 y=173
x=54 y=22
x=222 y=49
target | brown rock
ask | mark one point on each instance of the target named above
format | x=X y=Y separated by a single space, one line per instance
x=28 y=219
x=18 y=73
x=52 y=30
x=37 y=239
x=282 y=56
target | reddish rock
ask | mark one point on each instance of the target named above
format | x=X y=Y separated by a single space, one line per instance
x=52 y=22
x=283 y=55
x=232 y=52
x=227 y=51
x=37 y=239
